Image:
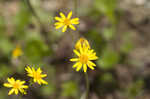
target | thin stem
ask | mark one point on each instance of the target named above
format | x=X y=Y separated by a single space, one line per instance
x=87 y=85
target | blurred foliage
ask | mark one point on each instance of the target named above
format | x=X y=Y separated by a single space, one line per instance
x=135 y=89
x=42 y=46
x=107 y=7
x=108 y=59
x=69 y=89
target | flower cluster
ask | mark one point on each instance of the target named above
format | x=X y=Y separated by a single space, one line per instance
x=85 y=56
x=84 y=53
x=18 y=85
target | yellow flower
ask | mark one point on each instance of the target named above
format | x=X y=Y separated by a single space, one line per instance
x=16 y=52
x=36 y=75
x=65 y=22
x=85 y=57
x=17 y=85
x=82 y=42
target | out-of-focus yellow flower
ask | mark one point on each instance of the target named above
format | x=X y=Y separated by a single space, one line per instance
x=17 y=52
x=16 y=85
x=82 y=42
x=36 y=75
x=85 y=57
x=65 y=22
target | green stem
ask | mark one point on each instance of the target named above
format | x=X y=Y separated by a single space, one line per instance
x=87 y=85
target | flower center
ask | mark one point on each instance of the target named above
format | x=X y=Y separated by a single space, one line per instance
x=84 y=59
x=37 y=76
x=67 y=21
x=16 y=85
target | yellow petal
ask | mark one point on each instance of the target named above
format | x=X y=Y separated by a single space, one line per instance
x=11 y=80
x=57 y=23
x=62 y=15
x=90 y=66
x=91 y=63
x=93 y=58
x=39 y=70
x=11 y=91
x=84 y=68
x=72 y=27
x=7 y=85
x=69 y=15
x=43 y=75
x=24 y=86
x=75 y=21
x=76 y=64
x=39 y=82
x=22 y=82
x=59 y=26
x=79 y=67
x=58 y=19
x=76 y=52
x=16 y=91
x=64 y=28
x=74 y=59
x=44 y=82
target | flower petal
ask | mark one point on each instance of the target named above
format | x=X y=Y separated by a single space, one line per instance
x=11 y=91
x=62 y=15
x=72 y=27
x=59 y=26
x=90 y=66
x=91 y=63
x=16 y=91
x=69 y=15
x=58 y=19
x=64 y=28
x=76 y=52
x=79 y=67
x=84 y=67
x=76 y=64
x=74 y=59
x=7 y=85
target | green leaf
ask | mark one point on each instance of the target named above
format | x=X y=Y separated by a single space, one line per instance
x=35 y=51
x=6 y=46
x=107 y=77
x=21 y=20
x=69 y=89
x=4 y=70
x=109 y=33
x=107 y=7
x=109 y=59
x=48 y=89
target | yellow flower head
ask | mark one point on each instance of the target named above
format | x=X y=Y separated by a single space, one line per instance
x=16 y=85
x=16 y=52
x=65 y=22
x=85 y=57
x=36 y=75
x=82 y=42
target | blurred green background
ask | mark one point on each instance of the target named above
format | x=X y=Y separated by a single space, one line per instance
x=118 y=30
